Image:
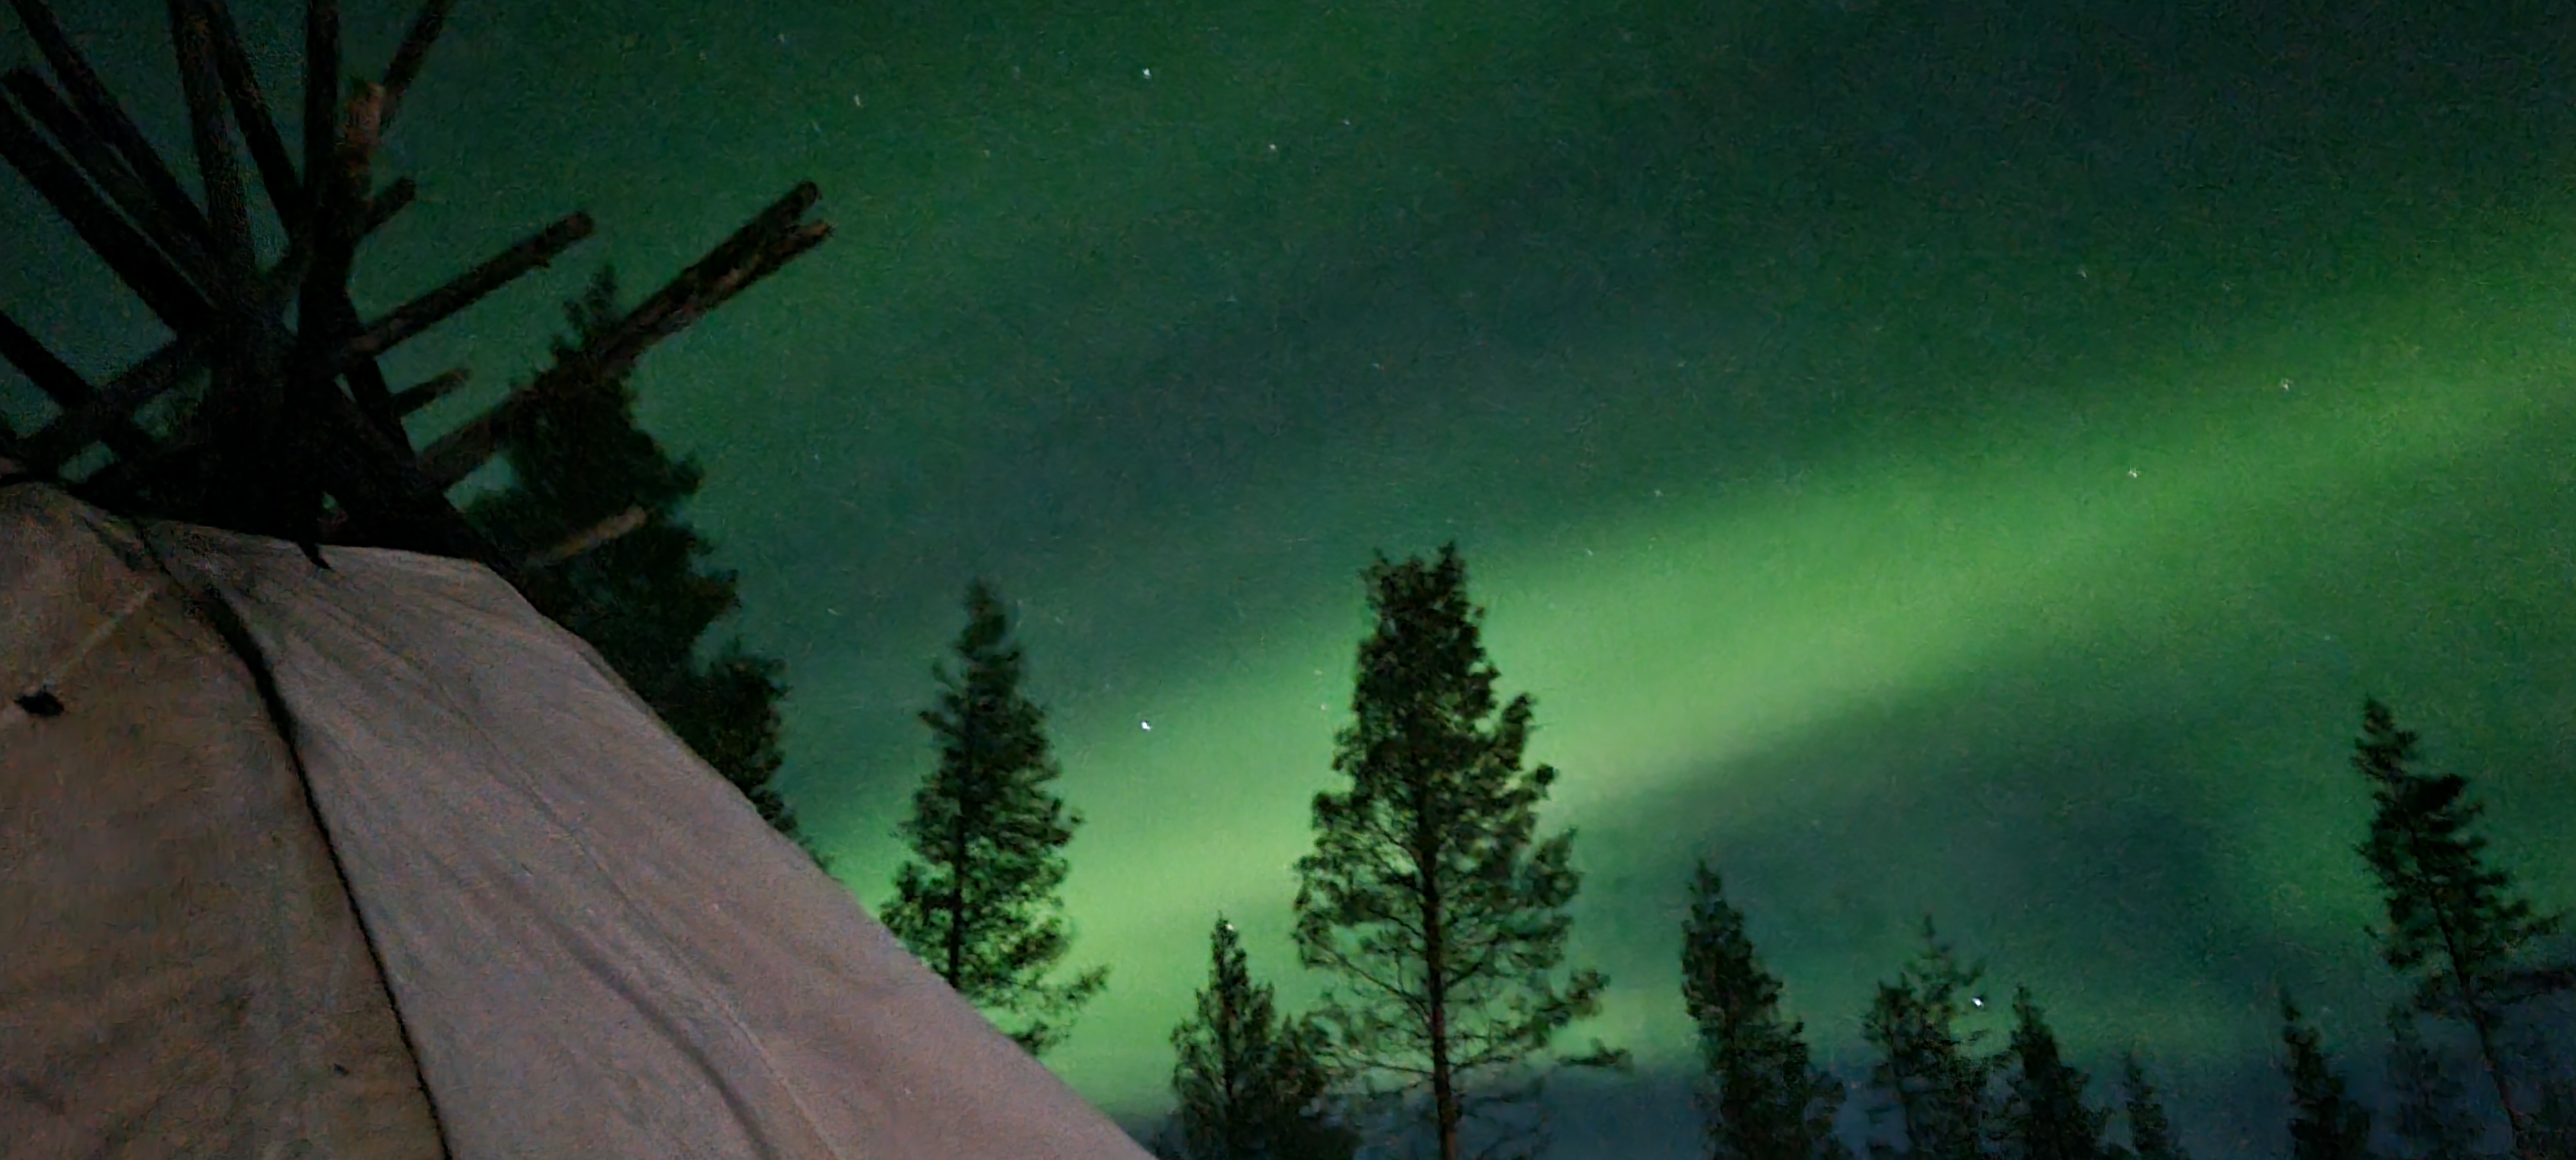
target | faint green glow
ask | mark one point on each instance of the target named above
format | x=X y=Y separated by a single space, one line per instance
x=1709 y=629
x=1809 y=677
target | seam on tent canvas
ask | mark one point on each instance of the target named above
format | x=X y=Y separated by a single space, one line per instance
x=228 y=624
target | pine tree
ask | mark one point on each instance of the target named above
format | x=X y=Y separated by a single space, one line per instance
x=2151 y=1134
x=638 y=589
x=2044 y=1113
x=1764 y=1101
x=2325 y=1124
x=1252 y=1085
x=1429 y=895
x=978 y=900
x=2456 y=926
x=1928 y=1068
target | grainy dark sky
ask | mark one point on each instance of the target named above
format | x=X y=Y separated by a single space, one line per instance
x=1968 y=457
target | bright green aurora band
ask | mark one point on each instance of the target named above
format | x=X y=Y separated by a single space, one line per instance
x=1954 y=458
x=1890 y=695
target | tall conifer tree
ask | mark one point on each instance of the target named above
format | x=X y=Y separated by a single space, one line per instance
x=2325 y=1124
x=2456 y=926
x=1763 y=1100
x=978 y=900
x=592 y=507
x=1429 y=896
x=1928 y=1067
x=1252 y=1084
x=2044 y=1113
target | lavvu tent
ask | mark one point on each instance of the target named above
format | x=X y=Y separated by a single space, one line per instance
x=372 y=861
x=316 y=840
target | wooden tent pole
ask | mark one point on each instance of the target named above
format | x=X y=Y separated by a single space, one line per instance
x=259 y=474
x=412 y=399
x=56 y=443
x=227 y=208
x=588 y=539
x=421 y=313
x=123 y=247
x=393 y=200
x=65 y=386
x=328 y=318
x=713 y=291
x=652 y=315
x=250 y=111
x=143 y=382
x=321 y=93
x=408 y=58
x=276 y=434
x=100 y=165
x=789 y=248
x=745 y=257
x=74 y=430
x=48 y=449
x=105 y=115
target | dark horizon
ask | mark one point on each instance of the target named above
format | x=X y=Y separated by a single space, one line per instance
x=1965 y=459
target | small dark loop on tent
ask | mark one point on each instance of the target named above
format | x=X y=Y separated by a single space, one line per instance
x=41 y=703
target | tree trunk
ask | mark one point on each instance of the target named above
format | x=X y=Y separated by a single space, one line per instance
x=970 y=739
x=1229 y=1056
x=1435 y=984
x=2480 y=1021
x=1444 y=1086
x=957 y=902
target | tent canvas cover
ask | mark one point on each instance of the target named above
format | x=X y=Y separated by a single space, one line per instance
x=316 y=839
x=374 y=861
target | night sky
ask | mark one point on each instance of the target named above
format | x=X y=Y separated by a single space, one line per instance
x=1969 y=456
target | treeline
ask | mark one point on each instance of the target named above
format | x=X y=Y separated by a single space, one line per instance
x=1438 y=912
x=2457 y=931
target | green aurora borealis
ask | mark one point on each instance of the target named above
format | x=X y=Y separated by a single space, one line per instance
x=1968 y=457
